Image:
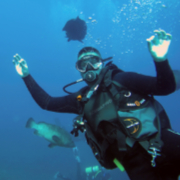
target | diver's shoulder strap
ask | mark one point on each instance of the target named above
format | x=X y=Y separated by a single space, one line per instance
x=154 y=145
x=110 y=84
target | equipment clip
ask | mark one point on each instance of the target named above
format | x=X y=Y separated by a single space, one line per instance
x=154 y=153
x=78 y=124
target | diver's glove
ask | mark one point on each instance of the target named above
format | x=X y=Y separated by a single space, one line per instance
x=21 y=66
x=159 y=44
x=78 y=125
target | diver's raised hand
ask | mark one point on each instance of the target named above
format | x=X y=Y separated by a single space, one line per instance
x=21 y=66
x=159 y=45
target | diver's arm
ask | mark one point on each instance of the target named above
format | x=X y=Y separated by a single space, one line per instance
x=60 y=104
x=177 y=78
x=163 y=84
x=158 y=47
x=66 y=104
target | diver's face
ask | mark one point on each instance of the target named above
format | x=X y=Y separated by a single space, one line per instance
x=91 y=75
x=90 y=67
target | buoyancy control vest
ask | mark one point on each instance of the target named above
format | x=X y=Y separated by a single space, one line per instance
x=115 y=115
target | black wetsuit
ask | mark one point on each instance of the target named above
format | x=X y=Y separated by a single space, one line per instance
x=137 y=160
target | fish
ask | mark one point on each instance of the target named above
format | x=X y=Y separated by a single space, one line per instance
x=56 y=135
x=76 y=29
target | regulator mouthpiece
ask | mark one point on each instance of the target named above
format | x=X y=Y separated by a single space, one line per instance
x=90 y=76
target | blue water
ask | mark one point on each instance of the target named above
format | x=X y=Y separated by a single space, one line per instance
x=34 y=30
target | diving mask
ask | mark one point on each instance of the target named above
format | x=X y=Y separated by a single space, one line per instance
x=94 y=61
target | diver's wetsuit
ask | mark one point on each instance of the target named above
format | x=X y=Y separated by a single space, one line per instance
x=137 y=160
x=163 y=84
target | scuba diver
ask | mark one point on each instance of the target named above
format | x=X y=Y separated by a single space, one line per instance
x=124 y=125
x=95 y=172
x=58 y=175
x=91 y=173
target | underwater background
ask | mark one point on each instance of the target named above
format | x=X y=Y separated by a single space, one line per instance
x=33 y=28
